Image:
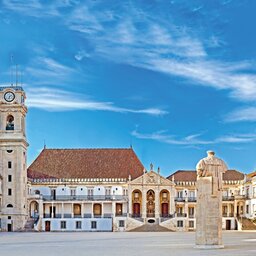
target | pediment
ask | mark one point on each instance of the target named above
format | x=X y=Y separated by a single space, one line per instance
x=151 y=178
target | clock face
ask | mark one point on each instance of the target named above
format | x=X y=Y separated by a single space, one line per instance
x=9 y=96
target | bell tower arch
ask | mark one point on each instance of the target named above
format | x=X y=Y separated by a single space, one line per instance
x=13 y=155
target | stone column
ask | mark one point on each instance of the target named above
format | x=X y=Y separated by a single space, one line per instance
x=157 y=203
x=144 y=203
x=62 y=210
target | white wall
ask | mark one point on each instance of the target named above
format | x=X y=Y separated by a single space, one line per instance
x=103 y=224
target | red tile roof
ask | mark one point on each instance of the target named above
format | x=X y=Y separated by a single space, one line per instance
x=182 y=175
x=86 y=163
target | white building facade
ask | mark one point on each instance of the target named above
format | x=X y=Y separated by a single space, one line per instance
x=98 y=189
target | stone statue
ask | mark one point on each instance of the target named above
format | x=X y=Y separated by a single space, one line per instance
x=209 y=202
x=214 y=167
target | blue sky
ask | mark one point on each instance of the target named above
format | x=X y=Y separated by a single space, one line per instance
x=172 y=78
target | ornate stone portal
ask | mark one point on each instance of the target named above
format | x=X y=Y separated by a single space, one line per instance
x=209 y=202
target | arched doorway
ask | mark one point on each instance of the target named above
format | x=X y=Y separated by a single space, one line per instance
x=97 y=210
x=34 y=209
x=150 y=203
x=136 y=203
x=164 y=202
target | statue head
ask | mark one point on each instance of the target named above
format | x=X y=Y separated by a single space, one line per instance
x=210 y=153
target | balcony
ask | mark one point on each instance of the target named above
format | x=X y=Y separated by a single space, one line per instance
x=85 y=198
x=121 y=214
x=191 y=199
x=179 y=199
x=228 y=198
x=69 y=216
x=191 y=216
x=181 y=215
x=227 y=215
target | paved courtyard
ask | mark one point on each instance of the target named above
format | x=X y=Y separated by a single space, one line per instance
x=90 y=244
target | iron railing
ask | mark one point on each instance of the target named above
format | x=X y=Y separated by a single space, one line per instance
x=85 y=198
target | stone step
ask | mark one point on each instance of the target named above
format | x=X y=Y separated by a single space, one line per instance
x=151 y=228
x=247 y=224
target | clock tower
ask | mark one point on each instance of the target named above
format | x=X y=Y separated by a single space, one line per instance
x=13 y=155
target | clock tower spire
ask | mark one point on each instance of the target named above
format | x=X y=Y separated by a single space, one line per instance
x=13 y=155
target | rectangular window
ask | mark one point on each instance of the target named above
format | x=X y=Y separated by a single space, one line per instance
x=179 y=223
x=9 y=178
x=63 y=224
x=9 y=191
x=94 y=225
x=73 y=192
x=9 y=164
x=191 y=224
x=247 y=208
x=78 y=224
x=121 y=223
x=180 y=194
x=9 y=217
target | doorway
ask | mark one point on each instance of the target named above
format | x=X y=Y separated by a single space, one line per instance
x=47 y=226
x=136 y=210
x=165 y=211
x=9 y=227
x=228 y=224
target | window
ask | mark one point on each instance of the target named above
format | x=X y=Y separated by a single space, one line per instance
x=63 y=224
x=94 y=225
x=180 y=194
x=9 y=178
x=9 y=217
x=180 y=223
x=9 y=151
x=37 y=192
x=78 y=224
x=247 y=208
x=191 y=224
x=9 y=206
x=10 y=123
x=121 y=223
x=73 y=192
x=9 y=164
x=9 y=191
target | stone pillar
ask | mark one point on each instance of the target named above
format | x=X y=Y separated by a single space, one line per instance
x=208 y=215
x=144 y=203
x=157 y=203
x=62 y=210
x=114 y=209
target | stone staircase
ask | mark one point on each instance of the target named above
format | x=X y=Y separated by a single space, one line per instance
x=29 y=226
x=150 y=227
x=247 y=224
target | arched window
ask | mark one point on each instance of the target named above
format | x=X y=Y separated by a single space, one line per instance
x=9 y=206
x=37 y=192
x=10 y=123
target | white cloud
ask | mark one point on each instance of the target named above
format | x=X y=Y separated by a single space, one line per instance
x=81 y=55
x=244 y=114
x=59 y=100
x=194 y=139
x=160 y=46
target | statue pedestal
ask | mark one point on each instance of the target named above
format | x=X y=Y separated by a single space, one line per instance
x=208 y=215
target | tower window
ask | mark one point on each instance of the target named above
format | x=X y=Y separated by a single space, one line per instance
x=9 y=164
x=9 y=151
x=9 y=206
x=9 y=191
x=10 y=123
x=9 y=178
